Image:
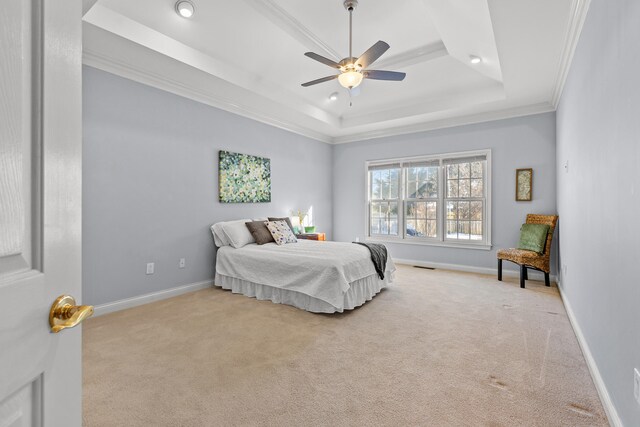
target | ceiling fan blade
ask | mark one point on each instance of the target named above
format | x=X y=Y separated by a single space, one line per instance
x=320 y=58
x=322 y=80
x=371 y=55
x=385 y=75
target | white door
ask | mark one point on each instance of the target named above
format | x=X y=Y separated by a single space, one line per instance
x=40 y=210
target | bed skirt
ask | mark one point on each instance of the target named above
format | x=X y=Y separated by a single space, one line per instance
x=359 y=292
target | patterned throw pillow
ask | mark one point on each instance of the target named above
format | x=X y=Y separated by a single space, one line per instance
x=281 y=232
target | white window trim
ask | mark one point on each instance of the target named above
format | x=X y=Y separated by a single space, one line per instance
x=441 y=241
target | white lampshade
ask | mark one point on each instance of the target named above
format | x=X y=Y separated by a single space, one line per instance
x=350 y=79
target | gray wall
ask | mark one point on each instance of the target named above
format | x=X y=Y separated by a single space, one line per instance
x=150 y=184
x=515 y=143
x=599 y=196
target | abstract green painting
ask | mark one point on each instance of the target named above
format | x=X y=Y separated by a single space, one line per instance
x=244 y=178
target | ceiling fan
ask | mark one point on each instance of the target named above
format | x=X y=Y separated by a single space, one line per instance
x=354 y=70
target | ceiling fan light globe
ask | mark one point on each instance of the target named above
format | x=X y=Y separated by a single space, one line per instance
x=350 y=79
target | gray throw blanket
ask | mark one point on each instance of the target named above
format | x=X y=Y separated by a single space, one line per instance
x=378 y=256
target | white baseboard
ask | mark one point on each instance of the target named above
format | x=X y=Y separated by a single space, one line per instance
x=605 y=398
x=533 y=275
x=122 y=304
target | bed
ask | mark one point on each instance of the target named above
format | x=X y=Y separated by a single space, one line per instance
x=320 y=277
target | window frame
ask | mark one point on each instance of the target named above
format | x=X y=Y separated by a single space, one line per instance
x=398 y=201
x=441 y=225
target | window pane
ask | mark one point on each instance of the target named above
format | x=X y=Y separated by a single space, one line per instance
x=384 y=178
x=432 y=210
x=463 y=210
x=412 y=188
x=463 y=230
x=464 y=170
x=375 y=185
x=421 y=228
x=476 y=211
x=452 y=171
x=411 y=227
x=375 y=210
x=465 y=188
x=411 y=174
x=393 y=218
x=432 y=183
x=375 y=226
x=393 y=226
x=393 y=184
x=452 y=229
x=393 y=209
x=426 y=184
x=384 y=218
x=422 y=174
x=452 y=210
x=411 y=210
x=476 y=170
x=452 y=188
x=421 y=210
x=422 y=190
x=432 y=229
x=477 y=188
x=476 y=230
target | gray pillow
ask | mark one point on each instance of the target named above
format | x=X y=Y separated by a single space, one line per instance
x=260 y=232
x=285 y=219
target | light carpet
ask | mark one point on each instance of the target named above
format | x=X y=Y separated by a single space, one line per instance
x=437 y=348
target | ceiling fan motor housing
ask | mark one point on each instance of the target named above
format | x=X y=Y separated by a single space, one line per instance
x=350 y=4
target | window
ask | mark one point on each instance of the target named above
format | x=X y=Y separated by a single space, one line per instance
x=442 y=200
x=385 y=199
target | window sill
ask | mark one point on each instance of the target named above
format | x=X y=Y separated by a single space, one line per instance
x=479 y=246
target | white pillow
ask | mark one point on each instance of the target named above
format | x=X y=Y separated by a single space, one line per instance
x=237 y=233
x=218 y=236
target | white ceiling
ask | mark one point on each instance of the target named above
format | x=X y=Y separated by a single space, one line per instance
x=246 y=56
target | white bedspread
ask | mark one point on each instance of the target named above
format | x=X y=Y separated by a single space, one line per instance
x=321 y=270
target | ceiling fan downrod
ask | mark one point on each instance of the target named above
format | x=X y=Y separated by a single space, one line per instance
x=350 y=5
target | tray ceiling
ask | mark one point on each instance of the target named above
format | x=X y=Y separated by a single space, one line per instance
x=246 y=56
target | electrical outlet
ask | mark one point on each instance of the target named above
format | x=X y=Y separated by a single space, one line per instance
x=564 y=269
x=636 y=385
x=151 y=267
x=357 y=239
x=182 y=263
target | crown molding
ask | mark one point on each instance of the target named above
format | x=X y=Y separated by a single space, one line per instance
x=126 y=70
x=285 y=21
x=420 y=54
x=520 y=111
x=579 y=16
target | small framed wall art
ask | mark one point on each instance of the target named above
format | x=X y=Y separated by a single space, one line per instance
x=524 y=185
x=243 y=178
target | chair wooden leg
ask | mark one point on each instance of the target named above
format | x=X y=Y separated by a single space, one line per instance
x=499 y=269
x=526 y=273
x=523 y=272
x=547 y=282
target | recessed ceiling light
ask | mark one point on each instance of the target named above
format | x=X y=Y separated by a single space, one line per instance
x=185 y=9
x=333 y=96
x=475 y=59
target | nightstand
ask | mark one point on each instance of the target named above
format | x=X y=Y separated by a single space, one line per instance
x=312 y=236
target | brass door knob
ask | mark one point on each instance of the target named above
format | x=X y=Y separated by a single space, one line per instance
x=66 y=314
